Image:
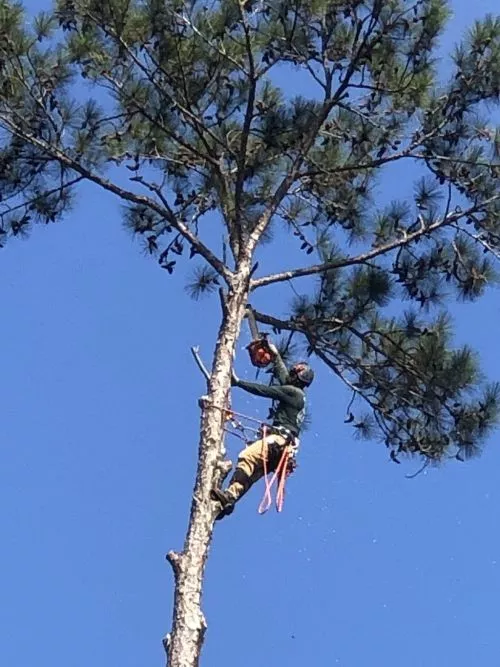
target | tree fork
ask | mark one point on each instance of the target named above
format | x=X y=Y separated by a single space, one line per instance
x=183 y=644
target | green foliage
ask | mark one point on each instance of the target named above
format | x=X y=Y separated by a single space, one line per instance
x=423 y=394
x=188 y=109
x=204 y=280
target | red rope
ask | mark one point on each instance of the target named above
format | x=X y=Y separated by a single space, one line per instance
x=280 y=473
x=280 y=495
x=236 y=414
x=267 y=499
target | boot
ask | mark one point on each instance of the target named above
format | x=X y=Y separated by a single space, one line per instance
x=239 y=484
x=226 y=501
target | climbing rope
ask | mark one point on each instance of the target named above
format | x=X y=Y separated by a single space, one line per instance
x=280 y=474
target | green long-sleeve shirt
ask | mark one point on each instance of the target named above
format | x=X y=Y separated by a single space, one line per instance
x=290 y=410
x=280 y=370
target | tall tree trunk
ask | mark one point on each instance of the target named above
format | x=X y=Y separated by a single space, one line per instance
x=183 y=644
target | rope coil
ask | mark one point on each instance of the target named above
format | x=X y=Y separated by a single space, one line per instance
x=280 y=474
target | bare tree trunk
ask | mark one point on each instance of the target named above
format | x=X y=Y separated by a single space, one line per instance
x=183 y=644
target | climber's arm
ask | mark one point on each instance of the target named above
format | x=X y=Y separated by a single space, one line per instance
x=280 y=370
x=284 y=393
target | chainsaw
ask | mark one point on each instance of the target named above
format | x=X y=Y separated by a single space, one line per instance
x=260 y=353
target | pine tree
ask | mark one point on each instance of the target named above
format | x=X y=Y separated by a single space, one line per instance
x=179 y=110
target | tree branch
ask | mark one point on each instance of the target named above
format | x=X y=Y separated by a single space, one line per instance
x=247 y=122
x=117 y=86
x=195 y=351
x=47 y=193
x=377 y=410
x=424 y=230
x=175 y=560
x=479 y=239
x=126 y=195
x=191 y=118
x=339 y=324
x=329 y=102
x=218 y=49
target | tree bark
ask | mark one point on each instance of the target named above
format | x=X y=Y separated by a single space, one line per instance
x=183 y=644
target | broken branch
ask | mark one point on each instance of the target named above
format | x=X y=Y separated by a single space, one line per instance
x=195 y=351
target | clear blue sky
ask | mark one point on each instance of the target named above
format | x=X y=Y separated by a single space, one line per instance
x=98 y=436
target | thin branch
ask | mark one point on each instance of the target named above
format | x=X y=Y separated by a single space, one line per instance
x=22 y=79
x=118 y=86
x=195 y=351
x=420 y=470
x=478 y=239
x=219 y=49
x=288 y=325
x=401 y=155
x=366 y=117
x=193 y=119
x=175 y=560
x=377 y=410
x=249 y=114
x=290 y=178
x=47 y=193
x=424 y=230
x=126 y=195
x=330 y=101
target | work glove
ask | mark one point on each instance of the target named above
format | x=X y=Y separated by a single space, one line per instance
x=272 y=347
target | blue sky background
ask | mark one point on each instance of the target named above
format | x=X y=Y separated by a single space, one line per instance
x=98 y=437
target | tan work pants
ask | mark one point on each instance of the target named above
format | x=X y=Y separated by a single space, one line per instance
x=251 y=462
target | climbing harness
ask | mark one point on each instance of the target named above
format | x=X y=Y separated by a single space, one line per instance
x=287 y=461
x=259 y=350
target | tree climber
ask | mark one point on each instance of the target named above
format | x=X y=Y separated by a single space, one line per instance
x=284 y=431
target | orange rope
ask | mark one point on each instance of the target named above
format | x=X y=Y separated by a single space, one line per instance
x=236 y=414
x=280 y=495
x=281 y=469
x=267 y=499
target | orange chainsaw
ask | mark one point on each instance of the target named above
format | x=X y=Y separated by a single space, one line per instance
x=260 y=353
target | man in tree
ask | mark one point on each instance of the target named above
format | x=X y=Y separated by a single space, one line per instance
x=203 y=141
x=284 y=432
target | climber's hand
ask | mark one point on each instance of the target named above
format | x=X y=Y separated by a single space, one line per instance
x=272 y=347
